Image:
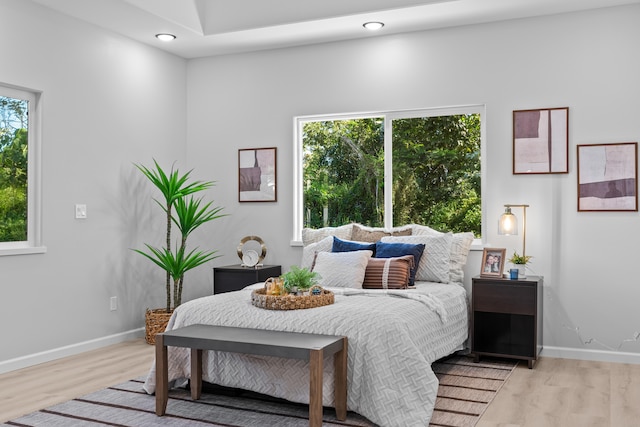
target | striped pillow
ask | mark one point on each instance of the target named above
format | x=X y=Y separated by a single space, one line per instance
x=388 y=273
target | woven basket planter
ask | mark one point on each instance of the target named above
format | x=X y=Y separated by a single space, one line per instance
x=259 y=298
x=156 y=321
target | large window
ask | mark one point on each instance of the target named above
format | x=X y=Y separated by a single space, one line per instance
x=19 y=205
x=391 y=168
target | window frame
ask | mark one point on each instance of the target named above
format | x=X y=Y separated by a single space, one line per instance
x=388 y=117
x=33 y=244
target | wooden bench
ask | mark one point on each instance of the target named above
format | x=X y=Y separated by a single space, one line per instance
x=292 y=345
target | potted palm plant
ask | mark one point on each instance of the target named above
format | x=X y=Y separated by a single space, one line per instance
x=188 y=213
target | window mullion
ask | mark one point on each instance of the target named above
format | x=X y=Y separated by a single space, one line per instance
x=388 y=172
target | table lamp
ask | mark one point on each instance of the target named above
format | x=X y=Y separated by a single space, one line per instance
x=508 y=225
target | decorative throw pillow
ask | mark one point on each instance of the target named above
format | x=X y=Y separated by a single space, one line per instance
x=436 y=257
x=341 y=269
x=309 y=252
x=390 y=250
x=368 y=234
x=388 y=273
x=340 y=245
x=423 y=230
x=310 y=235
x=460 y=245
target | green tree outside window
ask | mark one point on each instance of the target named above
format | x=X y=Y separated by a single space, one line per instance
x=435 y=163
x=13 y=169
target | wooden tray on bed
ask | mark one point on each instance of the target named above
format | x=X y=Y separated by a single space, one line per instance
x=259 y=298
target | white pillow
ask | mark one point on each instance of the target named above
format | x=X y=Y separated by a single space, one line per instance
x=341 y=269
x=423 y=230
x=460 y=246
x=311 y=235
x=436 y=257
x=309 y=252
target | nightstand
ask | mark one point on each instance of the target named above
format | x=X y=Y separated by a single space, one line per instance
x=506 y=318
x=235 y=277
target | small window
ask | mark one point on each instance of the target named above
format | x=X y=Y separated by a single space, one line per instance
x=390 y=169
x=19 y=207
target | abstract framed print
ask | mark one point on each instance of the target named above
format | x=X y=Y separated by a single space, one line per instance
x=257 y=175
x=541 y=141
x=608 y=177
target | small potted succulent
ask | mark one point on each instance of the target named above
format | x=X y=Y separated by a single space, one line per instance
x=520 y=262
x=299 y=279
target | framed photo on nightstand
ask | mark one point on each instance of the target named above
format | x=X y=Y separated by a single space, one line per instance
x=492 y=262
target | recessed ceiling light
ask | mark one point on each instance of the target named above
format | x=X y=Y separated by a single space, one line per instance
x=373 y=25
x=165 y=37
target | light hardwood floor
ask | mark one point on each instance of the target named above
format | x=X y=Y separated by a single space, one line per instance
x=567 y=393
x=557 y=393
x=37 y=387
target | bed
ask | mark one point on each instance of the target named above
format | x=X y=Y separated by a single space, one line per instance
x=393 y=338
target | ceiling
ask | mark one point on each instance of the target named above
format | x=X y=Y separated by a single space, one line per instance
x=218 y=27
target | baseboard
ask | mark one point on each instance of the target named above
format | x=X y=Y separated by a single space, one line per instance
x=70 y=350
x=593 y=355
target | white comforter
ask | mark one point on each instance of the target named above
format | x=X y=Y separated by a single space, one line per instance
x=393 y=337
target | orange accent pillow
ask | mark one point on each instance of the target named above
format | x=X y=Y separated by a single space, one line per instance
x=388 y=273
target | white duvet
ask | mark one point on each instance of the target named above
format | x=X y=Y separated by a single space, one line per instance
x=393 y=337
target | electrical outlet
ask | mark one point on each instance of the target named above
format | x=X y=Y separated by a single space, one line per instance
x=114 y=303
x=81 y=211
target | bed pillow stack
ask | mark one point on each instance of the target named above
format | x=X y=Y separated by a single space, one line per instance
x=437 y=257
x=393 y=265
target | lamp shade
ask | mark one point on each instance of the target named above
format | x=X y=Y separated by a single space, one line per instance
x=508 y=223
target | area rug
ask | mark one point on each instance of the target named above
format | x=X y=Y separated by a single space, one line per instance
x=466 y=388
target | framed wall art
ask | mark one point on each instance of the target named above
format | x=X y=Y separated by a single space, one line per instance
x=492 y=262
x=257 y=175
x=541 y=141
x=608 y=177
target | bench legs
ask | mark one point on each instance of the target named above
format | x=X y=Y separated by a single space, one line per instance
x=316 y=359
x=162 y=381
x=340 y=381
x=196 y=373
x=315 y=387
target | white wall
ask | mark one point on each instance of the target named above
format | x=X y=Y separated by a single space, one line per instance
x=107 y=102
x=585 y=61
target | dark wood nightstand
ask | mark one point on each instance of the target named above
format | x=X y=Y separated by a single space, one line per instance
x=235 y=277
x=506 y=318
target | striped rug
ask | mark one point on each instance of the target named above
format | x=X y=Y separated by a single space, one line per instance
x=465 y=390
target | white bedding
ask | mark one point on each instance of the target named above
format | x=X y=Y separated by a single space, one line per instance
x=393 y=337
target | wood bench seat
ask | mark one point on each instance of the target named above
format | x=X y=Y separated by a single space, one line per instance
x=292 y=345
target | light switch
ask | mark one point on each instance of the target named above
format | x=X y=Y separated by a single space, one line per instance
x=81 y=211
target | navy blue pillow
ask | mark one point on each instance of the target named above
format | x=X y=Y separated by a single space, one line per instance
x=392 y=250
x=340 y=245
